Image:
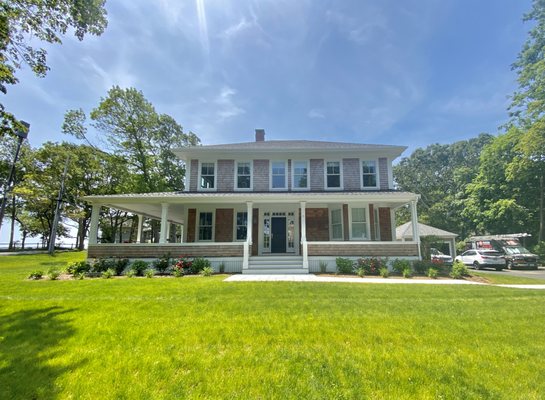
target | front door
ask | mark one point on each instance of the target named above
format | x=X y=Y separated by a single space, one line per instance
x=278 y=239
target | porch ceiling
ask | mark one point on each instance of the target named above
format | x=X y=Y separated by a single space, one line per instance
x=151 y=210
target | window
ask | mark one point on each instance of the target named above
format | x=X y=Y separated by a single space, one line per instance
x=278 y=175
x=300 y=175
x=244 y=175
x=369 y=174
x=208 y=176
x=337 y=224
x=205 y=226
x=333 y=174
x=359 y=223
x=242 y=225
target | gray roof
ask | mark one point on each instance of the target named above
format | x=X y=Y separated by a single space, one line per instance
x=406 y=231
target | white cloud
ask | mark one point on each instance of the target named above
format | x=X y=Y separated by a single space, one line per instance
x=314 y=113
x=227 y=107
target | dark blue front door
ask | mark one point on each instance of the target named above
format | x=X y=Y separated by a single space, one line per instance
x=278 y=230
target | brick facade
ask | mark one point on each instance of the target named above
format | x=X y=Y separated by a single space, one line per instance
x=224 y=225
x=191 y=224
x=317 y=223
x=351 y=174
x=226 y=175
x=261 y=175
x=385 y=224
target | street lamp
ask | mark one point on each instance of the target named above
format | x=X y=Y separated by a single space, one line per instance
x=22 y=135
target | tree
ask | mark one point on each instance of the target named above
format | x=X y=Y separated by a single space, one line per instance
x=47 y=21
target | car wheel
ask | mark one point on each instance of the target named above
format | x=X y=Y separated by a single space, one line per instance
x=509 y=265
x=499 y=268
x=476 y=265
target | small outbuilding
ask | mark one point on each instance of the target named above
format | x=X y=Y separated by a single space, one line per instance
x=405 y=233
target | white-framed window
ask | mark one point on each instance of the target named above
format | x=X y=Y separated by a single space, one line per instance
x=333 y=175
x=241 y=225
x=243 y=175
x=279 y=175
x=336 y=218
x=369 y=175
x=207 y=176
x=299 y=175
x=206 y=219
x=358 y=223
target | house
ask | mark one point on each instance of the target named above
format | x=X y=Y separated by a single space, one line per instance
x=273 y=206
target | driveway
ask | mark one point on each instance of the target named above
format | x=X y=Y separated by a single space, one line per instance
x=537 y=274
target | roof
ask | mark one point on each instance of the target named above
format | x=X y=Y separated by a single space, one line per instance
x=406 y=231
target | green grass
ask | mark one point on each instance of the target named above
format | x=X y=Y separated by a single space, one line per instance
x=198 y=337
x=500 y=279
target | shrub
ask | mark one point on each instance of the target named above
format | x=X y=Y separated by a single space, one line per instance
x=53 y=274
x=80 y=276
x=371 y=266
x=198 y=265
x=162 y=264
x=102 y=265
x=108 y=273
x=78 y=267
x=177 y=272
x=37 y=274
x=344 y=265
x=149 y=273
x=399 y=265
x=323 y=267
x=120 y=264
x=222 y=268
x=183 y=265
x=407 y=272
x=539 y=249
x=432 y=273
x=139 y=267
x=130 y=273
x=360 y=271
x=459 y=270
x=383 y=271
x=207 y=271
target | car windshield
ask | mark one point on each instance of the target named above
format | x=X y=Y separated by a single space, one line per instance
x=436 y=252
x=490 y=253
x=516 y=250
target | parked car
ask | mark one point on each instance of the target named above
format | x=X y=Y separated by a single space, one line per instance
x=437 y=256
x=482 y=259
x=519 y=257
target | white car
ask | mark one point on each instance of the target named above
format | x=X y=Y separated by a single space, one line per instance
x=438 y=256
x=482 y=259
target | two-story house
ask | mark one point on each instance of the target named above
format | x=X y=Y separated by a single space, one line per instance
x=273 y=206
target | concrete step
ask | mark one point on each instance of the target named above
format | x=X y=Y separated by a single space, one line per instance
x=274 y=271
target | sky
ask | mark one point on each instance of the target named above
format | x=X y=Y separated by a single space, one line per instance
x=412 y=72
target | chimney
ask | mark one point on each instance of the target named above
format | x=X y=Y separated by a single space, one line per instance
x=260 y=135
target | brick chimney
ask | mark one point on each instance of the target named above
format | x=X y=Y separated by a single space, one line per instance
x=260 y=135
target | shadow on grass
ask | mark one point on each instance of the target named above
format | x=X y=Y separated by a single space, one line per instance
x=30 y=340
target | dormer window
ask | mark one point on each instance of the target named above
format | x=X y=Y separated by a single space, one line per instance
x=333 y=175
x=369 y=174
x=244 y=175
x=278 y=175
x=207 y=176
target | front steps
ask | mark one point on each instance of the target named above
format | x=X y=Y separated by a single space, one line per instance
x=283 y=264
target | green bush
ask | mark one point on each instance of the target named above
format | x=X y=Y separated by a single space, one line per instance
x=78 y=267
x=344 y=265
x=383 y=271
x=459 y=270
x=130 y=273
x=53 y=274
x=399 y=265
x=80 y=276
x=207 y=271
x=139 y=267
x=37 y=274
x=222 y=268
x=198 y=265
x=323 y=267
x=178 y=272
x=432 y=273
x=407 y=272
x=149 y=273
x=372 y=265
x=360 y=271
x=539 y=249
x=120 y=265
x=162 y=264
x=108 y=273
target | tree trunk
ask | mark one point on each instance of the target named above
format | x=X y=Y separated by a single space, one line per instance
x=23 y=240
x=12 y=229
x=540 y=238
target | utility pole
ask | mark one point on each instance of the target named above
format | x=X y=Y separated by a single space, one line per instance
x=22 y=135
x=53 y=234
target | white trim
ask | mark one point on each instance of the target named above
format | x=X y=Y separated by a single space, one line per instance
x=366 y=209
x=198 y=225
x=251 y=188
x=341 y=175
x=299 y=189
x=377 y=173
x=271 y=162
x=215 y=188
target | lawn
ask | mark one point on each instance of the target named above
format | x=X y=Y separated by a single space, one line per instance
x=197 y=337
x=499 y=279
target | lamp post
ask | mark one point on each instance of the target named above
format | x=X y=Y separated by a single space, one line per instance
x=22 y=135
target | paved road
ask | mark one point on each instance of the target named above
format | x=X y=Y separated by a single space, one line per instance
x=538 y=274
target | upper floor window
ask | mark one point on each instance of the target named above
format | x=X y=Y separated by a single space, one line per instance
x=205 y=225
x=333 y=174
x=369 y=174
x=244 y=175
x=242 y=225
x=208 y=176
x=278 y=175
x=300 y=175
x=358 y=223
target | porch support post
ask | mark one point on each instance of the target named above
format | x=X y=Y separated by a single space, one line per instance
x=93 y=228
x=164 y=223
x=304 y=245
x=139 y=226
x=248 y=242
x=416 y=231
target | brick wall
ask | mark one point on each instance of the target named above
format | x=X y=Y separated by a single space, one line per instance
x=224 y=225
x=156 y=251
x=191 y=224
x=351 y=174
x=363 y=249
x=226 y=175
x=317 y=222
x=383 y=173
x=261 y=175
x=193 y=181
x=385 y=224
x=316 y=174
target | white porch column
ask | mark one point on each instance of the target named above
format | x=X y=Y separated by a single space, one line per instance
x=164 y=223
x=416 y=231
x=304 y=234
x=139 y=227
x=93 y=228
x=249 y=228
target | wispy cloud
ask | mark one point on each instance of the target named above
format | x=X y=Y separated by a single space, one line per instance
x=227 y=107
x=314 y=113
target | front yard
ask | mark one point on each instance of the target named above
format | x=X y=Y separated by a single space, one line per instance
x=199 y=337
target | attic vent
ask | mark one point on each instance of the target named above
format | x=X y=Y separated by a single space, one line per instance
x=260 y=135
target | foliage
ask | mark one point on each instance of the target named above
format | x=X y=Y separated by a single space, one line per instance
x=178 y=272
x=360 y=271
x=79 y=276
x=222 y=267
x=372 y=265
x=420 y=267
x=398 y=265
x=78 y=267
x=539 y=249
x=384 y=272
x=162 y=264
x=407 y=272
x=109 y=273
x=459 y=270
x=207 y=271
x=344 y=265
x=130 y=273
x=323 y=267
x=198 y=264
x=139 y=266
x=183 y=266
x=149 y=273
x=36 y=274
x=53 y=274
x=433 y=273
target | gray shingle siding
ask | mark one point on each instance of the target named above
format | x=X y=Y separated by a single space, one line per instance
x=261 y=175
x=194 y=175
x=383 y=172
x=226 y=175
x=316 y=174
x=351 y=174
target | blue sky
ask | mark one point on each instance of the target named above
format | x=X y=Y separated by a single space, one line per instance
x=411 y=72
